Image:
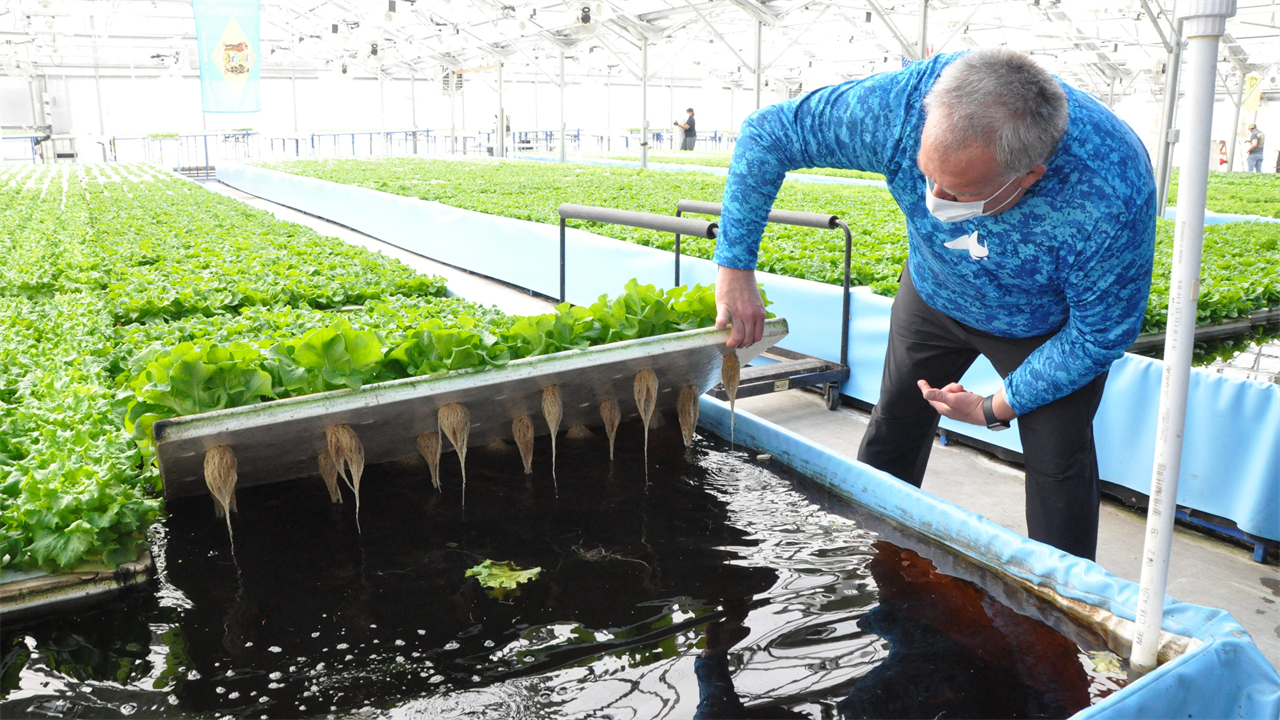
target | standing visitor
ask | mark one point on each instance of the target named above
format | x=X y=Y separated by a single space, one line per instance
x=1031 y=220
x=690 y=127
x=1253 y=160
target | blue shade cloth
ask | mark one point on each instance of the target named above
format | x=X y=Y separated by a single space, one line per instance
x=1224 y=676
x=1231 y=453
x=230 y=55
x=1072 y=257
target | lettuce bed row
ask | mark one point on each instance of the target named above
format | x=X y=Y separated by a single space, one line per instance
x=1241 y=267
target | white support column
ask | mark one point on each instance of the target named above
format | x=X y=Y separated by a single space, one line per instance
x=759 y=60
x=562 y=137
x=453 y=121
x=1164 y=156
x=413 y=107
x=644 y=103
x=1234 y=140
x=293 y=87
x=97 y=78
x=1204 y=23
x=500 y=147
x=921 y=48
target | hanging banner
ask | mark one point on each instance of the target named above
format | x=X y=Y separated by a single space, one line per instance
x=1252 y=92
x=227 y=42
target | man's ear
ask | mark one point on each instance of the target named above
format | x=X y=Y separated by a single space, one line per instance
x=1032 y=176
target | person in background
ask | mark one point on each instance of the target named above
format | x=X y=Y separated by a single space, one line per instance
x=1222 y=154
x=1253 y=157
x=1031 y=220
x=690 y=127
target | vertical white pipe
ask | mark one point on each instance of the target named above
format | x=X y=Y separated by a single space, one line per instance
x=97 y=78
x=1184 y=290
x=562 y=138
x=644 y=103
x=924 y=28
x=453 y=121
x=759 y=60
x=293 y=85
x=413 y=108
x=1164 y=158
x=1233 y=139
x=500 y=148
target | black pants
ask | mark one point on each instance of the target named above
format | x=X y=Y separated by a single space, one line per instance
x=1057 y=438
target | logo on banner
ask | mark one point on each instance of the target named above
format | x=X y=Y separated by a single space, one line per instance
x=233 y=56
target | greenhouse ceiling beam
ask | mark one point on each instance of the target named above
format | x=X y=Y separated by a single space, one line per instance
x=757 y=11
x=961 y=26
x=718 y=36
x=1154 y=17
x=907 y=48
x=619 y=57
x=797 y=37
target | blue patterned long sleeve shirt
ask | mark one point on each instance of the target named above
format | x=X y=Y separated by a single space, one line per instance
x=1071 y=258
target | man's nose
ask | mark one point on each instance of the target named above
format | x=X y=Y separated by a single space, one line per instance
x=941 y=194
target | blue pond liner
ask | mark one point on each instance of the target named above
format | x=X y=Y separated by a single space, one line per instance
x=1216 y=670
x=1231 y=453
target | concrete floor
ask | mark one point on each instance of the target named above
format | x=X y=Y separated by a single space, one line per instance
x=1204 y=570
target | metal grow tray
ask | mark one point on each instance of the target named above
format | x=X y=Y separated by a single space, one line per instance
x=282 y=439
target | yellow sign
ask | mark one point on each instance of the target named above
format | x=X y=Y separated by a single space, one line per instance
x=233 y=56
x=1252 y=92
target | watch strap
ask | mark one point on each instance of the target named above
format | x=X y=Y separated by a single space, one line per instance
x=989 y=414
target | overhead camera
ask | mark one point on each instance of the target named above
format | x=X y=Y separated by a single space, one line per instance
x=585 y=16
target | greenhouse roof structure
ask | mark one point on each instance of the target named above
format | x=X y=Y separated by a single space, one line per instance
x=1113 y=48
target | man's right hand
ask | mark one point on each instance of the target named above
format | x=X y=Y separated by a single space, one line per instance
x=738 y=305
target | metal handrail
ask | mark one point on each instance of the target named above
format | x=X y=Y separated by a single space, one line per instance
x=629 y=218
x=788 y=217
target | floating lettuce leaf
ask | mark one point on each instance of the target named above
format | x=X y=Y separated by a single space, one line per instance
x=502 y=579
x=1105 y=662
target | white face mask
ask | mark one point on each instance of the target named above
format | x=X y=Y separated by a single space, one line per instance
x=949 y=211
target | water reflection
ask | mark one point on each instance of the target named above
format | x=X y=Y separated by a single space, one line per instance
x=717 y=585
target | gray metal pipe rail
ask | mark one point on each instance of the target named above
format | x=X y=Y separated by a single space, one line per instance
x=782 y=217
x=650 y=221
x=820 y=221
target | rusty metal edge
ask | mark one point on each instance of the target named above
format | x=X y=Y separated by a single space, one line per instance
x=30 y=596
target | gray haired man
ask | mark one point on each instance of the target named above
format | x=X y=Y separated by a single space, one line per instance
x=1031 y=225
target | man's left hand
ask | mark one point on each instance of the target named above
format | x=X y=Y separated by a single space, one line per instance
x=955 y=402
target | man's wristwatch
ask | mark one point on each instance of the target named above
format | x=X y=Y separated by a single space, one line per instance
x=989 y=414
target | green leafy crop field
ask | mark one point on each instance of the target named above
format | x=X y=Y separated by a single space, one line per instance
x=721 y=159
x=1240 y=193
x=128 y=295
x=1241 y=260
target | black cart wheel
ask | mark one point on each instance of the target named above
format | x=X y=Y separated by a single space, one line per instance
x=831 y=394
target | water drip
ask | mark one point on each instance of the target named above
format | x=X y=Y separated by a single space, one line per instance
x=455 y=421
x=329 y=472
x=687 y=408
x=522 y=431
x=348 y=455
x=220 y=476
x=646 y=392
x=730 y=371
x=552 y=409
x=429 y=447
x=611 y=415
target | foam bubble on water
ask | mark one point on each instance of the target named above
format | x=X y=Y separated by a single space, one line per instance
x=422 y=632
x=399 y=642
x=276 y=675
x=342 y=646
x=220 y=690
x=452 y=645
x=315 y=634
x=488 y=643
x=193 y=675
x=436 y=679
x=274 y=649
x=233 y=695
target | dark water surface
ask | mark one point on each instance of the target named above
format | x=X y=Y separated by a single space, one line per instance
x=814 y=610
